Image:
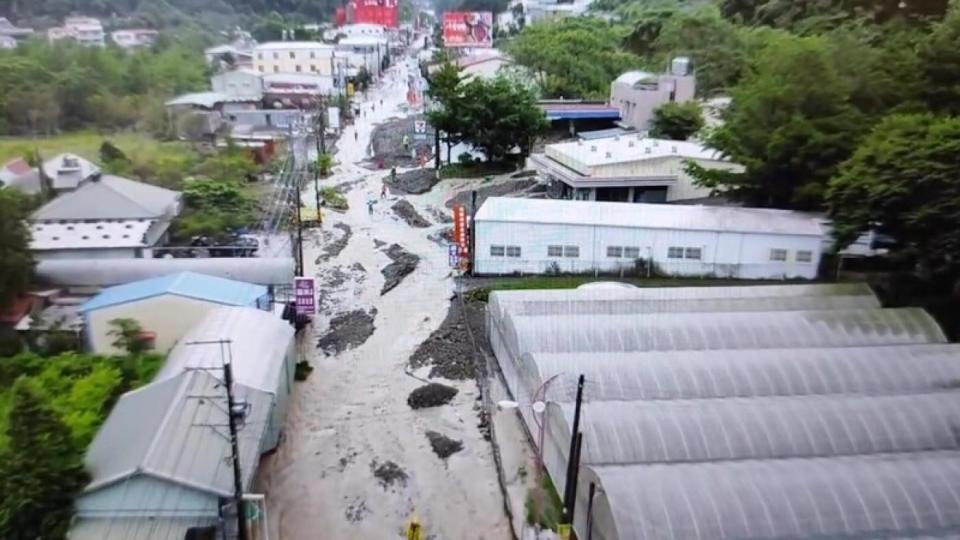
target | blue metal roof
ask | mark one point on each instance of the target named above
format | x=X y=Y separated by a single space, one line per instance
x=188 y=284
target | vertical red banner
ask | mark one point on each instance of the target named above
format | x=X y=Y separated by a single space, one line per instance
x=460 y=230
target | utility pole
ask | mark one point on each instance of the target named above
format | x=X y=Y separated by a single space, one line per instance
x=235 y=451
x=299 y=183
x=569 y=492
x=436 y=144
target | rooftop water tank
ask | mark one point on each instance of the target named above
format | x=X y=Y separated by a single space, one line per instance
x=681 y=66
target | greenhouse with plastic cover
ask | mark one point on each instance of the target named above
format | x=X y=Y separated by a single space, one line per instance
x=788 y=411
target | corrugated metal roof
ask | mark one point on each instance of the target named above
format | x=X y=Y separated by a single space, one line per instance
x=174 y=431
x=258 y=345
x=633 y=77
x=188 y=284
x=207 y=100
x=104 y=273
x=654 y=216
x=292 y=45
x=136 y=528
x=627 y=148
x=129 y=233
x=110 y=197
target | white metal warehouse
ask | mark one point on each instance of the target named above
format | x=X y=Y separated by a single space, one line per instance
x=739 y=412
x=536 y=236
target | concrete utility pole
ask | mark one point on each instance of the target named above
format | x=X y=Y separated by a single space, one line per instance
x=573 y=459
x=235 y=451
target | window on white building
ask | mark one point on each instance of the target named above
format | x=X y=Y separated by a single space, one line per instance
x=572 y=252
x=293 y=55
x=260 y=68
x=693 y=253
x=259 y=56
x=497 y=251
x=804 y=256
x=554 y=251
x=674 y=252
x=298 y=68
x=313 y=55
x=276 y=69
x=631 y=252
x=614 y=252
x=313 y=67
x=276 y=56
x=513 y=251
x=778 y=254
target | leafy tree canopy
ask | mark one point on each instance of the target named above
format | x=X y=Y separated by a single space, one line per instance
x=573 y=57
x=677 y=121
x=16 y=262
x=904 y=180
x=500 y=115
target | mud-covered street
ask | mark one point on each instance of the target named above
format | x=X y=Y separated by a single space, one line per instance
x=357 y=461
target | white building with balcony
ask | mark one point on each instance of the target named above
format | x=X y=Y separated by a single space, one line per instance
x=134 y=38
x=308 y=57
x=638 y=93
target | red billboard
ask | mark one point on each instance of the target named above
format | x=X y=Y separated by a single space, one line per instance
x=383 y=12
x=468 y=29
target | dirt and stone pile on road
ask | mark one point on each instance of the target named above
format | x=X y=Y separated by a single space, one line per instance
x=347 y=331
x=442 y=445
x=387 y=143
x=332 y=246
x=440 y=216
x=449 y=349
x=404 y=263
x=431 y=395
x=388 y=473
x=413 y=182
x=405 y=211
x=510 y=187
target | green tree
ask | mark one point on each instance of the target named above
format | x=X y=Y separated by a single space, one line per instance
x=904 y=180
x=446 y=90
x=791 y=126
x=16 y=261
x=940 y=58
x=575 y=57
x=500 y=115
x=40 y=472
x=128 y=336
x=677 y=121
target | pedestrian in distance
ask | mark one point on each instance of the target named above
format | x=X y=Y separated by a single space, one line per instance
x=370 y=206
x=356 y=135
x=383 y=192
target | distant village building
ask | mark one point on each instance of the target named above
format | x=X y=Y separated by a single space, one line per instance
x=245 y=83
x=105 y=217
x=626 y=168
x=484 y=63
x=18 y=174
x=305 y=57
x=538 y=236
x=84 y=30
x=373 y=50
x=63 y=173
x=237 y=55
x=638 y=93
x=10 y=30
x=8 y=42
x=134 y=38
x=166 y=307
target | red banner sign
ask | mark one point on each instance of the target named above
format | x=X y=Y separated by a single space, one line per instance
x=461 y=233
x=468 y=29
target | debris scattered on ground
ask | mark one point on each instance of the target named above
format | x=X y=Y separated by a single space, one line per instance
x=357 y=267
x=413 y=182
x=484 y=425
x=408 y=213
x=449 y=348
x=404 y=263
x=386 y=142
x=347 y=331
x=388 y=473
x=431 y=395
x=510 y=187
x=378 y=243
x=332 y=248
x=345 y=187
x=439 y=215
x=442 y=445
x=302 y=370
x=334 y=278
x=529 y=173
x=356 y=510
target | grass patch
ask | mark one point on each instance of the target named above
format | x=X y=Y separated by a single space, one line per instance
x=137 y=146
x=334 y=198
x=543 y=505
x=476 y=170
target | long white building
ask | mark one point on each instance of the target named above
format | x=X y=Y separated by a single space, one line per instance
x=535 y=236
x=294 y=57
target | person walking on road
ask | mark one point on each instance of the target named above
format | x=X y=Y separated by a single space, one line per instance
x=356 y=135
x=383 y=192
x=370 y=206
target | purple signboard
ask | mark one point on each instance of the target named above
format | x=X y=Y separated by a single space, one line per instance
x=303 y=290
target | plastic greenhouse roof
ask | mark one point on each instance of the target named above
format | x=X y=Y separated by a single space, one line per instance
x=104 y=272
x=692 y=305
x=743 y=330
x=258 y=346
x=594 y=299
x=846 y=497
x=677 y=431
x=748 y=373
x=188 y=284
